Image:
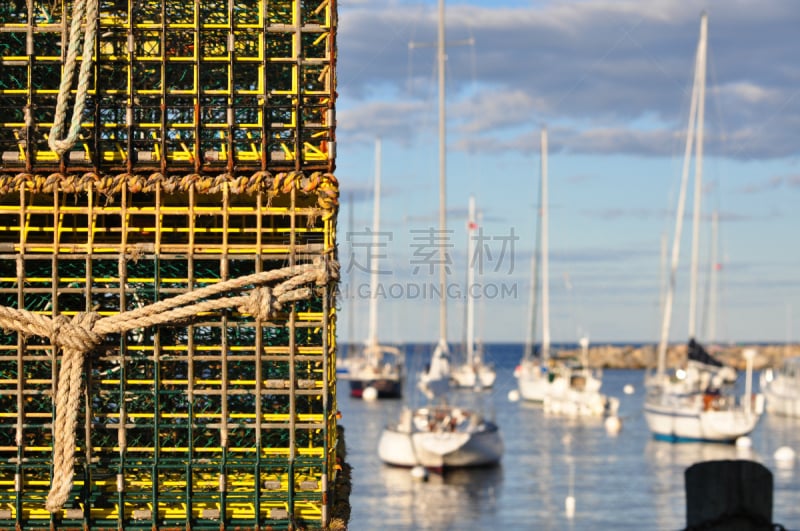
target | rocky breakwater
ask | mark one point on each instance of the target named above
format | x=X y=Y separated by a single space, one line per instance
x=644 y=356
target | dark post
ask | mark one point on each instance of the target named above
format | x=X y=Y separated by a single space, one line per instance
x=728 y=495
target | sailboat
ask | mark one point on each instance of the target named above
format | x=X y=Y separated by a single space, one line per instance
x=562 y=386
x=441 y=435
x=575 y=391
x=377 y=372
x=474 y=372
x=698 y=402
x=781 y=388
x=781 y=385
x=533 y=373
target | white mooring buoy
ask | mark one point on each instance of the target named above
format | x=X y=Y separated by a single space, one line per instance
x=784 y=457
x=370 y=394
x=613 y=425
x=420 y=473
x=569 y=507
x=513 y=395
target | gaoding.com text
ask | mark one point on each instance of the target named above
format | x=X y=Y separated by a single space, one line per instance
x=429 y=290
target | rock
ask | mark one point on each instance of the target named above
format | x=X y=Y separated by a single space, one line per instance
x=644 y=357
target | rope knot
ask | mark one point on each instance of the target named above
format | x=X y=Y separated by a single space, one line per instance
x=76 y=333
x=327 y=272
x=261 y=303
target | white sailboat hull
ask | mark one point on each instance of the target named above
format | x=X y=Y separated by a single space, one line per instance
x=379 y=367
x=689 y=418
x=781 y=389
x=533 y=382
x=441 y=437
x=439 y=450
x=473 y=376
x=580 y=404
x=782 y=404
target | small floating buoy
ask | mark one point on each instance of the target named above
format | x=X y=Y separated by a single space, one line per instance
x=744 y=447
x=370 y=393
x=613 y=425
x=628 y=389
x=513 y=395
x=784 y=456
x=569 y=506
x=420 y=473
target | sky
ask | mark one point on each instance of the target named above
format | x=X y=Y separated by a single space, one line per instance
x=611 y=81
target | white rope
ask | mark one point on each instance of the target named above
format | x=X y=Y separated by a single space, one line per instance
x=79 y=9
x=78 y=336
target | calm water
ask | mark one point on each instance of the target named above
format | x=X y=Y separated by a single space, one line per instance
x=623 y=481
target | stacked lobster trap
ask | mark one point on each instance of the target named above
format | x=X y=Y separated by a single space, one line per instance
x=167 y=264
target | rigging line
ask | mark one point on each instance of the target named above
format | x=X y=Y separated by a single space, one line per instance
x=473 y=168
x=412 y=43
x=722 y=137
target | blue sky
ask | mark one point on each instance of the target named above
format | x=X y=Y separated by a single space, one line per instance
x=611 y=81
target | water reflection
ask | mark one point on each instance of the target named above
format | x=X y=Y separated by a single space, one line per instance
x=782 y=432
x=441 y=502
x=679 y=456
x=623 y=482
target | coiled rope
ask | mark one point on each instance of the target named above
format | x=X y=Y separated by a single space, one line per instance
x=324 y=186
x=77 y=337
x=79 y=9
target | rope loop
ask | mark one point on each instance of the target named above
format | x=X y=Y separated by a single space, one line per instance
x=80 y=8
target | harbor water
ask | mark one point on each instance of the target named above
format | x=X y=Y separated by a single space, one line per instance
x=622 y=481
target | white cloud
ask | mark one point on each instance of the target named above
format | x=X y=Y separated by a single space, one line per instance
x=748 y=92
x=602 y=64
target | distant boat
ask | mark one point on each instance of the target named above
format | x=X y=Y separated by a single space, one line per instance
x=377 y=370
x=435 y=380
x=575 y=391
x=441 y=435
x=473 y=372
x=781 y=388
x=698 y=402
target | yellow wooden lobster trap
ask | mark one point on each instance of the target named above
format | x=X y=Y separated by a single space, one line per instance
x=167 y=264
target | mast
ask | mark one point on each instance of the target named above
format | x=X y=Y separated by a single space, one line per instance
x=662 y=274
x=545 y=253
x=711 y=333
x=372 y=338
x=676 y=240
x=531 y=312
x=471 y=226
x=698 y=173
x=440 y=48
